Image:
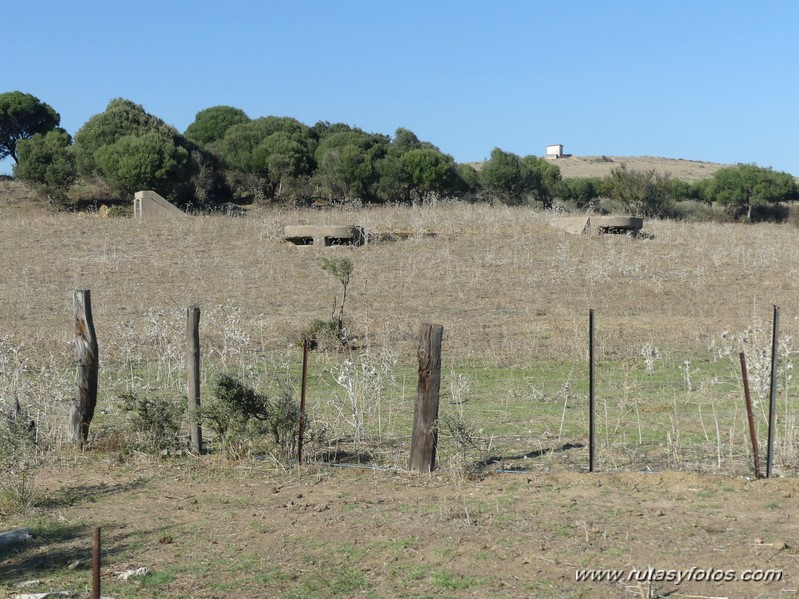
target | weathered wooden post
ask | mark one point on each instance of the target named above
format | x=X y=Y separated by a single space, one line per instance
x=193 y=353
x=425 y=415
x=85 y=400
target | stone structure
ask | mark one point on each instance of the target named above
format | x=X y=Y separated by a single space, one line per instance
x=324 y=235
x=148 y=204
x=599 y=225
x=555 y=151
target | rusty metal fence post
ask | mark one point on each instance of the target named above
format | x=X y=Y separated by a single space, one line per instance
x=773 y=390
x=591 y=406
x=750 y=415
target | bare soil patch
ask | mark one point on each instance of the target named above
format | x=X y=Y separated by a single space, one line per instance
x=209 y=529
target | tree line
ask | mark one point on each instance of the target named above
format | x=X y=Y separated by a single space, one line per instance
x=224 y=155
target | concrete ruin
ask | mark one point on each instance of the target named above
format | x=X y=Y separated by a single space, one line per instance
x=599 y=225
x=148 y=204
x=324 y=235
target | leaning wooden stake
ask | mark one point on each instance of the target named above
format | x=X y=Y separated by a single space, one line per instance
x=749 y=414
x=193 y=353
x=85 y=400
x=425 y=417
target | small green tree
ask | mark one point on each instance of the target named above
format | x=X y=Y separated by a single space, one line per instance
x=544 y=180
x=342 y=269
x=268 y=156
x=746 y=185
x=580 y=190
x=47 y=163
x=505 y=177
x=347 y=162
x=134 y=150
x=514 y=180
x=430 y=172
x=147 y=161
x=211 y=124
x=643 y=193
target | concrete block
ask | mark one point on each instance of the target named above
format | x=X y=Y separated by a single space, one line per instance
x=148 y=204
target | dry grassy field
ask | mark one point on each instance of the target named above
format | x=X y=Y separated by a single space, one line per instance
x=513 y=512
x=600 y=166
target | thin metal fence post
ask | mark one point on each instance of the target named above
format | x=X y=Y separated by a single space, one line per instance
x=302 y=400
x=750 y=415
x=591 y=435
x=96 y=563
x=773 y=390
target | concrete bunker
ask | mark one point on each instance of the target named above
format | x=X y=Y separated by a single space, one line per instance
x=599 y=225
x=324 y=235
x=147 y=204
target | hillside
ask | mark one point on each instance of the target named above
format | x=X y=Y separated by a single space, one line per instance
x=600 y=166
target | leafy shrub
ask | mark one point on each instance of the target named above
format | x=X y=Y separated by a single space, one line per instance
x=118 y=211
x=155 y=422
x=692 y=211
x=326 y=335
x=240 y=417
x=284 y=420
x=19 y=459
x=583 y=191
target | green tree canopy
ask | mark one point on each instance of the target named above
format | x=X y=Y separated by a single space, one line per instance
x=120 y=118
x=347 y=162
x=430 y=172
x=211 y=124
x=412 y=170
x=21 y=117
x=580 y=190
x=747 y=185
x=544 y=180
x=47 y=163
x=515 y=180
x=146 y=161
x=160 y=158
x=468 y=178
x=269 y=154
x=643 y=193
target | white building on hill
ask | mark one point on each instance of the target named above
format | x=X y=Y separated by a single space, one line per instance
x=555 y=151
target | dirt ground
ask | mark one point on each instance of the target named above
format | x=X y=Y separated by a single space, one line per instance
x=211 y=529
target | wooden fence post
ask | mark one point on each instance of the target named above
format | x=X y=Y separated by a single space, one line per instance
x=425 y=416
x=193 y=354
x=85 y=400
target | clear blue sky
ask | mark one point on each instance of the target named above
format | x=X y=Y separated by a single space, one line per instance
x=703 y=80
